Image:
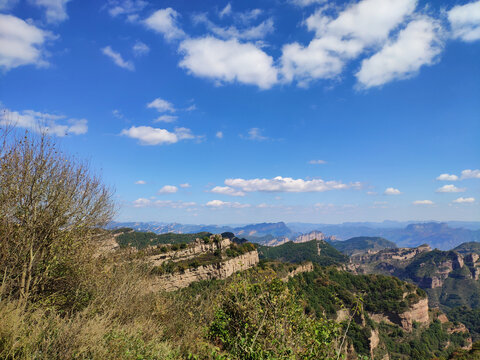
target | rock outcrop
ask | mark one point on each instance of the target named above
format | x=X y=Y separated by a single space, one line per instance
x=418 y=312
x=196 y=248
x=314 y=235
x=221 y=270
x=307 y=267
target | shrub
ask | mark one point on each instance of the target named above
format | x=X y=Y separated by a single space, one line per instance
x=51 y=211
x=264 y=320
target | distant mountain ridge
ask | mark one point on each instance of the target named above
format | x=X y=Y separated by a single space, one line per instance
x=437 y=235
x=362 y=244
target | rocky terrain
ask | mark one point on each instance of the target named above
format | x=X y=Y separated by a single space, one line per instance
x=450 y=278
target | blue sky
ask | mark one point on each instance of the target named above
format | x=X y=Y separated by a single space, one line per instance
x=251 y=111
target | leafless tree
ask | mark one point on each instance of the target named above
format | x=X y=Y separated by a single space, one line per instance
x=51 y=209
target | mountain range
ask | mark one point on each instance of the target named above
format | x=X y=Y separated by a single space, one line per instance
x=441 y=235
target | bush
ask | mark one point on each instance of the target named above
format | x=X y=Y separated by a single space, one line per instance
x=51 y=210
x=264 y=320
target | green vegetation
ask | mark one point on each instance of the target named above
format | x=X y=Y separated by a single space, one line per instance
x=141 y=240
x=362 y=244
x=473 y=354
x=468 y=248
x=318 y=252
x=328 y=290
x=263 y=320
x=469 y=317
x=421 y=344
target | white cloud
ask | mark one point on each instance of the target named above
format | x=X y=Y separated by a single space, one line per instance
x=227 y=10
x=140 y=182
x=361 y=25
x=304 y=3
x=449 y=189
x=140 y=49
x=161 y=105
x=281 y=184
x=391 y=191
x=55 y=10
x=21 y=43
x=51 y=124
x=118 y=114
x=217 y=204
x=416 y=45
x=148 y=135
x=317 y=162
x=462 y=200
x=185 y=185
x=117 y=58
x=259 y=31
x=423 y=202
x=465 y=21
x=227 y=190
x=219 y=134
x=125 y=7
x=254 y=134
x=166 y=118
x=470 y=174
x=447 y=177
x=227 y=61
x=191 y=108
x=142 y=202
x=168 y=189
x=164 y=21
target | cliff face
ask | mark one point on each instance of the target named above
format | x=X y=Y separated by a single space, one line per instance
x=417 y=312
x=222 y=270
x=298 y=270
x=314 y=235
x=450 y=278
x=197 y=248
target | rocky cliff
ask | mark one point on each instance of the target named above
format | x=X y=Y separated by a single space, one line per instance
x=221 y=270
x=193 y=250
x=417 y=312
x=314 y=235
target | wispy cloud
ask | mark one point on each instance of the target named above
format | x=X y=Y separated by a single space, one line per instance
x=423 y=202
x=227 y=190
x=51 y=124
x=470 y=174
x=462 y=200
x=317 y=162
x=218 y=204
x=118 y=59
x=254 y=134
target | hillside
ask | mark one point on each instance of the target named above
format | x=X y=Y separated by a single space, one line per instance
x=394 y=321
x=468 y=248
x=362 y=244
x=126 y=237
x=316 y=251
x=451 y=279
